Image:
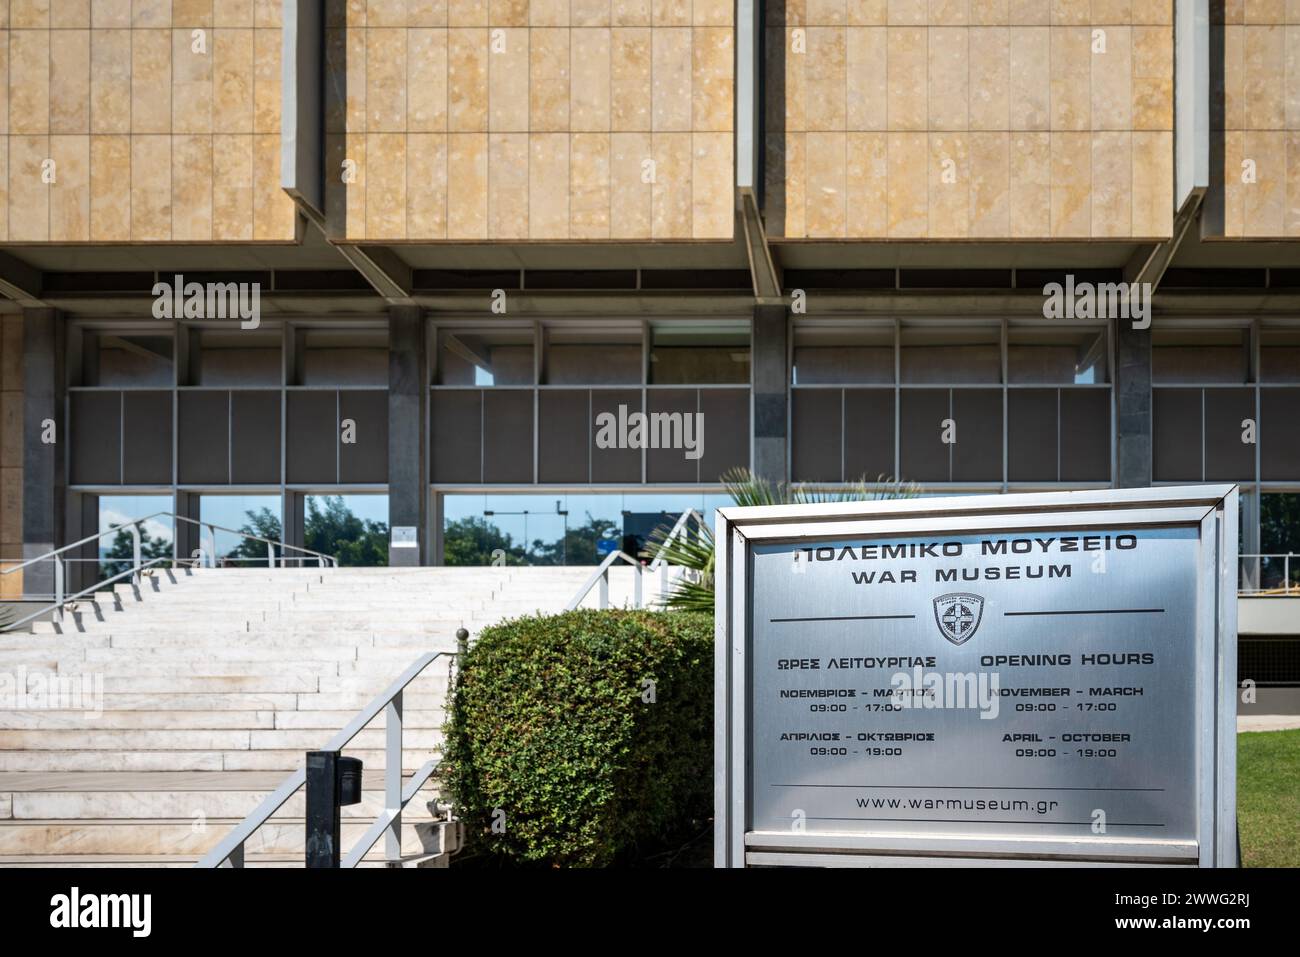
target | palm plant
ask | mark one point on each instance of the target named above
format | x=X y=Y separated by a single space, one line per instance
x=695 y=553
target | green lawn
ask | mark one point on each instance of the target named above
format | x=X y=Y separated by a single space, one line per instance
x=1268 y=798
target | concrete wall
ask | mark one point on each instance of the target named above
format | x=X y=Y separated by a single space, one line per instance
x=11 y=449
x=1268 y=615
x=156 y=133
x=1259 y=123
x=969 y=119
x=470 y=119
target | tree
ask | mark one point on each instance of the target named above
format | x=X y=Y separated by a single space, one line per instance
x=121 y=554
x=695 y=551
x=332 y=530
x=263 y=523
x=474 y=540
x=335 y=530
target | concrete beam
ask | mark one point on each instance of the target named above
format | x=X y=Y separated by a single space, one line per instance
x=302 y=108
x=762 y=265
x=771 y=393
x=1148 y=265
x=408 y=486
x=1133 y=400
x=20 y=282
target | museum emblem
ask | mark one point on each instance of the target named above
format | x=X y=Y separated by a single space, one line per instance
x=958 y=615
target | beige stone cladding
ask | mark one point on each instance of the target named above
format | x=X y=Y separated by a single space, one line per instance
x=141 y=121
x=510 y=120
x=1258 y=131
x=969 y=119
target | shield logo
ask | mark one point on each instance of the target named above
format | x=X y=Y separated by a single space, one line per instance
x=958 y=615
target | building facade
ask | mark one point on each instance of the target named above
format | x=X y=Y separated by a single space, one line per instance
x=258 y=254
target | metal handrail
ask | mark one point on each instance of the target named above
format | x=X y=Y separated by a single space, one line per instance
x=322 y=560
x=59 y=604
x=137 y=565
x=229 y=851
x=1249 y=584
x=678 y=530
x=135 y=532
x=601 y=574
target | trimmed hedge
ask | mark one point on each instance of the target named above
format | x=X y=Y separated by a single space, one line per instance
x=550 y=736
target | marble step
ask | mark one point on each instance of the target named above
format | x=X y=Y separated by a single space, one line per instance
x=201 y=739
x=182 y=837
x=159 y=761
x=191 y=805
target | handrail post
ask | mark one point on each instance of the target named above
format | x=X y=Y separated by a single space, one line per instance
x=604 y=588
x=135 y=551
x=393 y=778
x=58 y=589
x=212 y=547
x=636 y=585
x=270 y=554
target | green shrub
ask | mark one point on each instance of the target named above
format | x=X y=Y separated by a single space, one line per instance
x=550 y=725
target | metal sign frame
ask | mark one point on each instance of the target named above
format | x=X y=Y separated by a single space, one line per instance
x=1211 y=510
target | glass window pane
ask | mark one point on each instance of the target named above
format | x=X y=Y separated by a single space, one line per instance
x=851 y=356
x=252 y=514
x=238 y=358
x=352 y=528
x=593 y=358
x=1279 y=355
x=1048 y=355
x=128 y=361
x=117 y=552
x=698 y=354
x=486 y=358
x=1279 y=535
x=951 y=355
x=560 y=529
x=1198 y=355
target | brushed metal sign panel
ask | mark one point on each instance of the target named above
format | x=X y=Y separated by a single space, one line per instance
x=1031 y=685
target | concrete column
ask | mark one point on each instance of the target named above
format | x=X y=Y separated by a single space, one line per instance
x=44 y=473
x=408 y=484
x=1133 y=395
x=771 y=393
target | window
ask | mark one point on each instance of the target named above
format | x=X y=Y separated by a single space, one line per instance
x=1049 y=355
x=1279 y=535
x=1191 y=355
x=951 y=355
x=494 y=358
x=698 y=354
x=117 y=552
x=859 y=355
x=352 y=528
x=254 y=514
x=577 y=529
